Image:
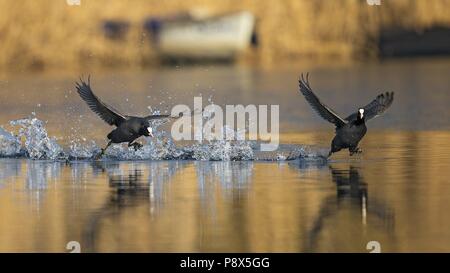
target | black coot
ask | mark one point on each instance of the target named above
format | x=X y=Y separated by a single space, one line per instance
x=128 y=128
x=351 y=130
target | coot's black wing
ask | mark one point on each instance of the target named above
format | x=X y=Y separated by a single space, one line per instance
x=375 y=107
x=321 y=109
x=106 y=112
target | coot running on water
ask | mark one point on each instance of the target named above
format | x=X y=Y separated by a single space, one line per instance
x=128 y=128
x=351 y=130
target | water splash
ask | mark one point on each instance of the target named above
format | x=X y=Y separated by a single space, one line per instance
x=32 y=141
x=81 y=148
x=37 y=143
x=9 y=144
x=222 y=151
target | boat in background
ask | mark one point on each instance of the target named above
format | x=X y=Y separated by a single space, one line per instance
x=201 y=38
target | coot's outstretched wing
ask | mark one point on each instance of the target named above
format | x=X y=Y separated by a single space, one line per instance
x=106 y=112
x=375 y=107
x=321 y=109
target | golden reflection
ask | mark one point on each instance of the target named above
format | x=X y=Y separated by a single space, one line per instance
x=396 y=192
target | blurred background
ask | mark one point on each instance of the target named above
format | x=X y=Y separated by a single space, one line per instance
x=72 y=34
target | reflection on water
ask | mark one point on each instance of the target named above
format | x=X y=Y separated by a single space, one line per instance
x=231 y=178
x=9 y=170
x=351 y=197
x=40 y=176
x=175 y=206
x=132 y=185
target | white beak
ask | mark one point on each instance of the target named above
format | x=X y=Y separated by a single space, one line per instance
x=150 y=131
x=361 y=112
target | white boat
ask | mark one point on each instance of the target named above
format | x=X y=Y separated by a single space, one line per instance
x=218 y=37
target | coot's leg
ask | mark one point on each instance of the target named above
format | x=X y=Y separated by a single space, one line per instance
x=136 y=145
x=334 y=148
x=354 y=150
x=131 y=143
x=103 y=150
x=351 y=151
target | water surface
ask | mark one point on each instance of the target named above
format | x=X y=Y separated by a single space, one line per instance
x=397 y=192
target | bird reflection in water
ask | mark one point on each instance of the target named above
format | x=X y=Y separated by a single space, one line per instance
x=350 y=186
x=136 y=185
x=352 y=199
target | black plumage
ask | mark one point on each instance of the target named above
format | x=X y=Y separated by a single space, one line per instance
x=128 y=128
x=351 y=130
